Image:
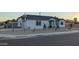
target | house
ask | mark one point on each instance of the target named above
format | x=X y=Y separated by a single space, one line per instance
x=39 y=22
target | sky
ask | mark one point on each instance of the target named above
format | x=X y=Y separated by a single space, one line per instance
x=13 y=15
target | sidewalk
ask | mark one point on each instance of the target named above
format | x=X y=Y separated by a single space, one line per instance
x=27 y=34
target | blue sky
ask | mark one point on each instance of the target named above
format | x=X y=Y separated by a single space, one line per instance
x=66 y=15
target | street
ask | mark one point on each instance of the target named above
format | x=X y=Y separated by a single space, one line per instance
x=52 y=40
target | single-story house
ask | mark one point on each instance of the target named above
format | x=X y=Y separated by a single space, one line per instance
x=39 y=22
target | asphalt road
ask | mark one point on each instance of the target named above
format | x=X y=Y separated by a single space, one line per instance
x=56 y=40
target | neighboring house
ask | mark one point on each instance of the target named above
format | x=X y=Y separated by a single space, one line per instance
x=11 y=25
x=39 y=21
x=1 y=27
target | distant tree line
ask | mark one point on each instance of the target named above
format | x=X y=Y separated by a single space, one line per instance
x=7 y=21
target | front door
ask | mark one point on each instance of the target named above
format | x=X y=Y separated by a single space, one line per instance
x=51 y=23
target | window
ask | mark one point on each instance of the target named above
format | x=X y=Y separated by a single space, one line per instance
x=38 y=23
x=61 y=23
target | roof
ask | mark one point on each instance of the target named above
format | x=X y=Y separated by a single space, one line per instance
x=38 y=17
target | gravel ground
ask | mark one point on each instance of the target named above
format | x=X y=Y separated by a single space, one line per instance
x=20 y=31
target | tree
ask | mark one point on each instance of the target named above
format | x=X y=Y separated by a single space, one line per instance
x=6 y=22
x=13 y=20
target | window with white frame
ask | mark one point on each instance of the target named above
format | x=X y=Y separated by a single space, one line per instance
x=38 y=22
